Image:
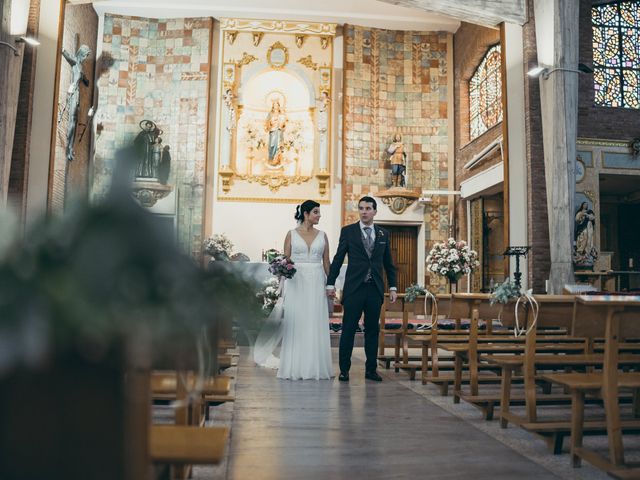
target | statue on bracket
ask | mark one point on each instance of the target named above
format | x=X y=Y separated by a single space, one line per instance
x=153 y=165
x=72 y=105
x=154 y=160
x=398 y=161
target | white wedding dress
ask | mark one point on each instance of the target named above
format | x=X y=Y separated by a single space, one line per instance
x=304 y=327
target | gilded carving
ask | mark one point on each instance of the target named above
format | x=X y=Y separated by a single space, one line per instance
x=300 y=40
x=246 y=59
x=324 y=42
x=308 y=62
x=274 y=181
x=231 y=36
x=602 y=143
x=277 y=55
x=323 y=180
x=241 y=24
x=257 y=37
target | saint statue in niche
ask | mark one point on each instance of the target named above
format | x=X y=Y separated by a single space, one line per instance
x=154 y=160
x=585 y=253
x=275 y=125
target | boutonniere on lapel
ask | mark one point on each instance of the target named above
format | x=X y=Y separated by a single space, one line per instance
x=379 y=233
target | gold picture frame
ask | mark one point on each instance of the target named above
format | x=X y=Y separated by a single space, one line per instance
x=277 y=56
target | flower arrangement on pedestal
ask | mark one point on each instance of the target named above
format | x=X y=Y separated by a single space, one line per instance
x=452 y=259
x=218 y=246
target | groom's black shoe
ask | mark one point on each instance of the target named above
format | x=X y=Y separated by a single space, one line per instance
x=373 y=376
x=343 y=377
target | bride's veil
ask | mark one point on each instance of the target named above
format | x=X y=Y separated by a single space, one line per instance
x=270 y=337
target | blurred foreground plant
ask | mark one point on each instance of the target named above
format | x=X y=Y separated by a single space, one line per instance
x=104 y=274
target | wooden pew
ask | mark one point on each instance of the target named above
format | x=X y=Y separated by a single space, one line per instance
x=187 y=445
x=188 y=441
x=621 y=318
x=389 y=311
x=426 y=311
x=554 y=311
x=457 y=342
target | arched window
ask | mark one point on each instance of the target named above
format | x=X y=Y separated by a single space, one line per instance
x=485 y=94
x=616 y=54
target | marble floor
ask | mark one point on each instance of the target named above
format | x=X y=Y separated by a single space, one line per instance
x=333 y=430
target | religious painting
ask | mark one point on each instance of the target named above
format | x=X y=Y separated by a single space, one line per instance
x=275 y=134
x=275 y=112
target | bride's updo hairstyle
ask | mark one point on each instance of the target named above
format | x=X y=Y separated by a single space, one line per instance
x=305 y=206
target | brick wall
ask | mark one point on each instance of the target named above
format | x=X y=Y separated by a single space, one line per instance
x=470 y=44
x=18 y=175
x=71 y=178
x=539 y=261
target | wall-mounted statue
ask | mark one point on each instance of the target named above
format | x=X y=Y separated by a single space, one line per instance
x=72 y=104
x=398 y=161
x=585 y=253
x=154 y=160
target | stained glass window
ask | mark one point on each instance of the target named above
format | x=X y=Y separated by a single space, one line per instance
x=485 y=93
x=616 y=54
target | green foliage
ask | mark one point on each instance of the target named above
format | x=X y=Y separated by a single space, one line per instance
x=413 y=291
x=505 y=291
x=107 y=273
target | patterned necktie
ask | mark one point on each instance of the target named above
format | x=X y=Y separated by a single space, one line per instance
x=368 y=239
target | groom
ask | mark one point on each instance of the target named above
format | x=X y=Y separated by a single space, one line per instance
x=369 y=250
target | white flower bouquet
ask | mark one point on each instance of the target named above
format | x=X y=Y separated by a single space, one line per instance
x=452 y=259
x=218 y=246
x=269 y=294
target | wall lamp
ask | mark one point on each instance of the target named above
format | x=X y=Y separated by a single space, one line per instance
x=26 y=40
x=544 y=72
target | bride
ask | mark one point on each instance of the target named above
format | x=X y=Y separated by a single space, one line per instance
x=304 y=324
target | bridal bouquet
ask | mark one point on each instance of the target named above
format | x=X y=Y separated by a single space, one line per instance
x=282 y=266
x=452 y=259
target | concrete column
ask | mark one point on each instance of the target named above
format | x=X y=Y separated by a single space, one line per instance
x=43 y=101
x=557 y=45
x=516 y=143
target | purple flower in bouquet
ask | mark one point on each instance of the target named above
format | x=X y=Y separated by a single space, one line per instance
x=282 y=266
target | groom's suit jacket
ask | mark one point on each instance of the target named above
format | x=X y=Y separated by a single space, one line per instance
x=351 y=243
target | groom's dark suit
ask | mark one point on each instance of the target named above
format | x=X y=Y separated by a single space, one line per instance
x=363 y=290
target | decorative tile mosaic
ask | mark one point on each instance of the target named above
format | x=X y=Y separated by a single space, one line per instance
x=161 y=73
x=396 y=82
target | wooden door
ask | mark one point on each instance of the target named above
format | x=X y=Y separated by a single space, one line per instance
x=404 y=250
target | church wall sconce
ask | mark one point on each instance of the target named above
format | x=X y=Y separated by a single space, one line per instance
x=25 y=40
x=18 y=22
x=545 y=72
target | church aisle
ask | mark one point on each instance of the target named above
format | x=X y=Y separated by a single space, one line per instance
x=327 y=429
